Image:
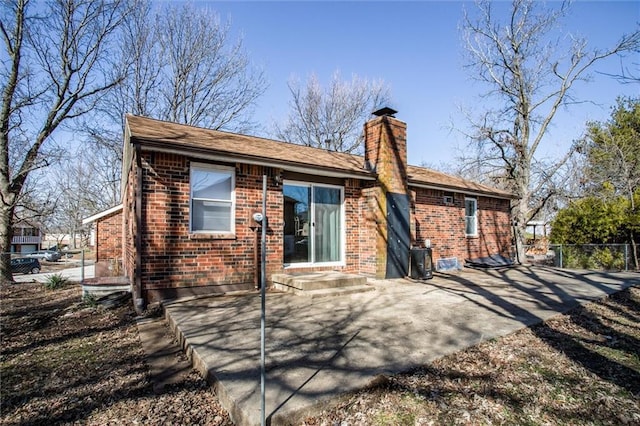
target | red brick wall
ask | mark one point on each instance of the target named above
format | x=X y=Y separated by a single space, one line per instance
x=173 y=258
x=176 y=262
x=444 y=225
x=109 y=237
x=369 y=228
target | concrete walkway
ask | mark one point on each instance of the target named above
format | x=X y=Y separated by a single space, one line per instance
x=322 y=347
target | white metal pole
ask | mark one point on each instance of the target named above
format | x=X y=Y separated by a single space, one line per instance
x=263 y=281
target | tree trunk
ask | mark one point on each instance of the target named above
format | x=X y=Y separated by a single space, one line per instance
x=72 y=243
x=520 y=208
x=520 y=236
x=6 y=232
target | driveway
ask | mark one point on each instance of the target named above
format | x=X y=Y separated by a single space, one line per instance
x=320 y=348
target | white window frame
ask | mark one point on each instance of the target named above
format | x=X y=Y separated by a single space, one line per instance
x=475 y=216
x=203 y=167
x=343 y=233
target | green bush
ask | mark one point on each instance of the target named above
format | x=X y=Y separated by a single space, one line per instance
x=608 y=259
x=573 y=257
x=55 y=281
x=90 y=300
x=586 y=257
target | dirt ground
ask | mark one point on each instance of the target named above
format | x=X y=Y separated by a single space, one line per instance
x=65 y=362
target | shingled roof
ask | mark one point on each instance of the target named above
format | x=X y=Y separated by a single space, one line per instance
x=165 y=136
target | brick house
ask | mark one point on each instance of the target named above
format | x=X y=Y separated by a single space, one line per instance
x=189 y=195
x=107 y=240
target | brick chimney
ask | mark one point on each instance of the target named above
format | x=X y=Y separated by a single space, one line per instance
x=385 y=141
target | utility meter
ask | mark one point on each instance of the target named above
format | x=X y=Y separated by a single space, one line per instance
x=257 y=216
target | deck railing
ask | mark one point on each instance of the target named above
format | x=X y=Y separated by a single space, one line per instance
x=19 y=239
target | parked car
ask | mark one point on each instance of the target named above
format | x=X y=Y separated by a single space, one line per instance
x=25 y=265
x=48 y=255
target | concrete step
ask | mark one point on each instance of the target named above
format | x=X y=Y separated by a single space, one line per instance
x=318 y=280
x=102 y=286
x=326 y=292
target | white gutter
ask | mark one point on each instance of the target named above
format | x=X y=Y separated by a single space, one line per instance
x=101 y=214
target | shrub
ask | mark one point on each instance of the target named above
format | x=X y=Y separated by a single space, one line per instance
x=609 y=259
x=574 y=257
x=588 y=257
x=55 y=281
x=90 y=300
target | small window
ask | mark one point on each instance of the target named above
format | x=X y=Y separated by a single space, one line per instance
x=448 y=198
x=471 y=217
x=212 y=199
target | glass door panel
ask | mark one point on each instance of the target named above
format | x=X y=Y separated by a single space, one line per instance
x=327 y=224
x=312 y=223
x=297 y=223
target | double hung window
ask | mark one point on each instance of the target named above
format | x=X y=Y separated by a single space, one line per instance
x=212 y=199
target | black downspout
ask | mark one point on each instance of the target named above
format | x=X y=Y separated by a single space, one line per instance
x=140 y=303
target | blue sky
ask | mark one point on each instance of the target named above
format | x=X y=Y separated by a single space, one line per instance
x=416 y=48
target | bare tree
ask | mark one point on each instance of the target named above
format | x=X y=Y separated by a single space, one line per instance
x=629 y=73
x=180 y=66
x=208 y=80
x=78 y=194
x=58 y=54
x=530 y=74
x=35 y=202
x=140 y=65
x=331 y=118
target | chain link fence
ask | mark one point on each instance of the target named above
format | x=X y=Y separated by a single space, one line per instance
x=608 y=257
x=604 y=257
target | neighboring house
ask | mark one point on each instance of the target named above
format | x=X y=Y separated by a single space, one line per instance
x=62 y=240
x=26 y=239
x=107 y=237
x=189 y=195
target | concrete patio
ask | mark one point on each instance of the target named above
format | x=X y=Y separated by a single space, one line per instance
x=319 y=348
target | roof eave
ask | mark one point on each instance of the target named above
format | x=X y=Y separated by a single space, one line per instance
x=461 y=190
x=102 y=214
x=214 y=155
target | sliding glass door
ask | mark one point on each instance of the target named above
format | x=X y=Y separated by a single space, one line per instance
x=314 y=224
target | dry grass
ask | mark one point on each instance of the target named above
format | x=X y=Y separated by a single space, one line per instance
x=63 y=362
